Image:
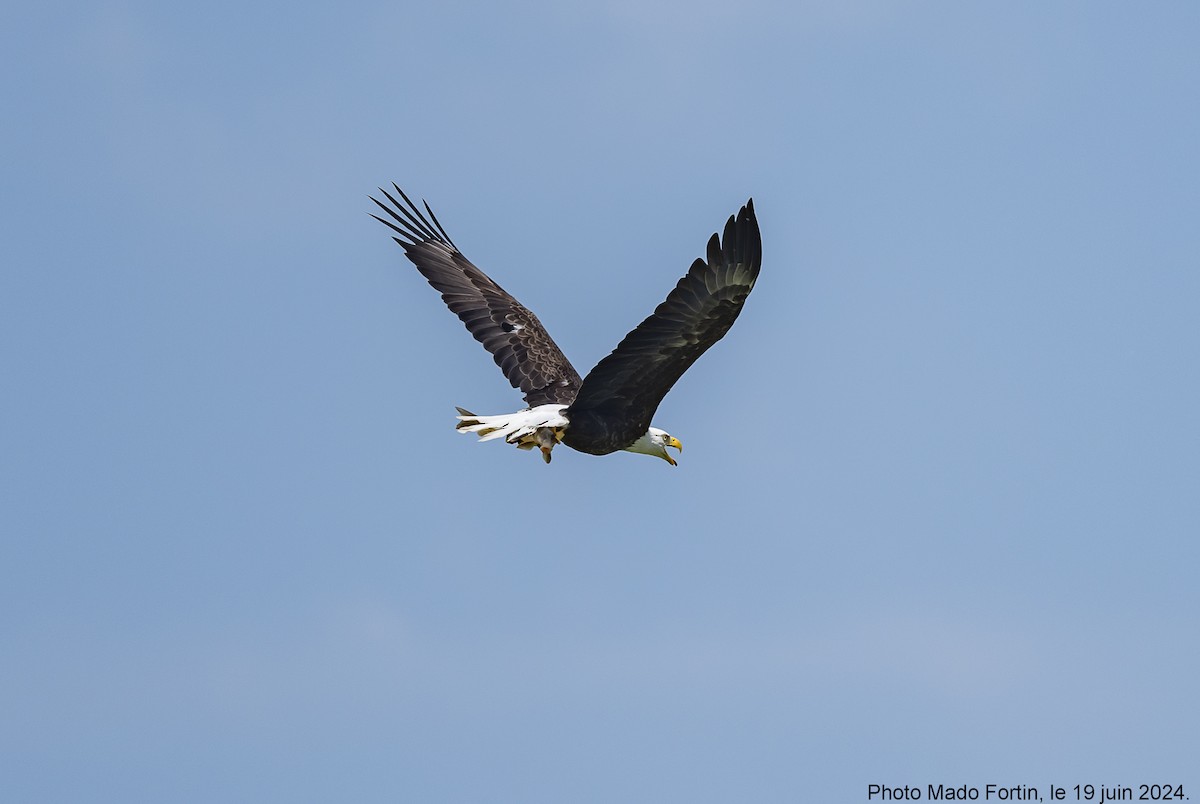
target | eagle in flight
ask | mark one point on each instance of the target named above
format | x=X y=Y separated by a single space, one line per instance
x=611 y=408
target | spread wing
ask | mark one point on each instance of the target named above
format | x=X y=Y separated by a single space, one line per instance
x=624 y=389
x=519 y=343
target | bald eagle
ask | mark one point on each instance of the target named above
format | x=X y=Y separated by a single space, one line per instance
x=611 y=408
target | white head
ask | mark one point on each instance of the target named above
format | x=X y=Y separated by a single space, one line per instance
x=655 y=442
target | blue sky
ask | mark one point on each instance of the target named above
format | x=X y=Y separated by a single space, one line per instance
x=936 y=518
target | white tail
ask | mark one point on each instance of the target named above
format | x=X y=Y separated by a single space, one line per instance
x=542 y=426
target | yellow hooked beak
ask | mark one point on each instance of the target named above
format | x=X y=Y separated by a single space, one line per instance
x=672 y=441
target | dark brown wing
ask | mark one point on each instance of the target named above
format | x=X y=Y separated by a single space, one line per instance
x=620 y=395
x=519 y=343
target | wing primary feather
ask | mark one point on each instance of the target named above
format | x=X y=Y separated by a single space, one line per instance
x=391 y=213
x=389 y=224
x=438 y=224
x=419 y=229
x=406 y=228
x=423 y=224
